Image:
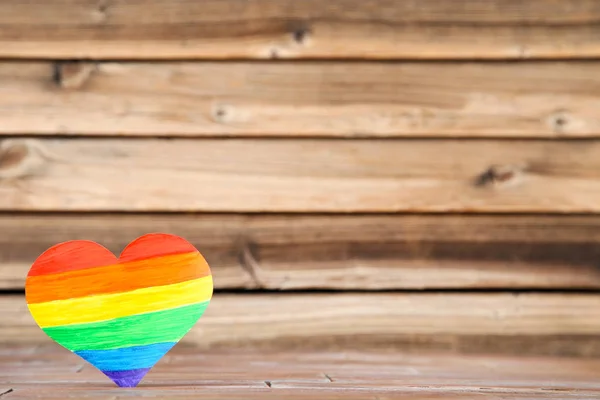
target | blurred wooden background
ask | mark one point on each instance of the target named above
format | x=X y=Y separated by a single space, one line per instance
x=358 y=173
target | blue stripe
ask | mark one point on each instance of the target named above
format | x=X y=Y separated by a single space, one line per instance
x=126 y=358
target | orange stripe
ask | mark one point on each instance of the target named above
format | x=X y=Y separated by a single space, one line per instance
x=117 y=278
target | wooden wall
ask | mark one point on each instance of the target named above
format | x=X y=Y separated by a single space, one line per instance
x=408 y=174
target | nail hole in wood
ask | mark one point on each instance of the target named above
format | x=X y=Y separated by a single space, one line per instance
x=221 y=112
x=559 y=121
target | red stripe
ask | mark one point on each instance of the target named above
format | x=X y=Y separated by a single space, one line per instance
x=83 y=254
x=155 y=245
x=72 y=256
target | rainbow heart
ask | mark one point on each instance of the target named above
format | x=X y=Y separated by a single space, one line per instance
x=120 y=315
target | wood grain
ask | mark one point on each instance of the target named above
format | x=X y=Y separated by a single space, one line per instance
x=48 y=372
x=341 y=252
x=559 y=324
x=365 y=99
x=257 y=175
x=224 y=29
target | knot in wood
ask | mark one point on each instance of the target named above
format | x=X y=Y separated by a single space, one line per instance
x=72 y=75
x=300 y=30
x=499 y=174
x=300 y=35
x=20 y=158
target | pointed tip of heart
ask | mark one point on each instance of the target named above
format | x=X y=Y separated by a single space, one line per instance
x=129 y=378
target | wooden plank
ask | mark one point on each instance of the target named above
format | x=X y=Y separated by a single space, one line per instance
x=543 y=324
x=367 y=99
x=244 y=175
x=357 y=252
x=261 y=29
x=307 y=375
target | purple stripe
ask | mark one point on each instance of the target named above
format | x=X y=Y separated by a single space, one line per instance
x=128 y=378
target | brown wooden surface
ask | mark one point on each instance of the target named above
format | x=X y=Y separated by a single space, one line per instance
x=358 y=252
x=170 y=29
x=260 y=135
x=554 y=99
x=261 y=175
x=184 y=373
x=503 y=323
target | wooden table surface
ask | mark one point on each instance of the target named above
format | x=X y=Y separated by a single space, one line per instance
x=30 y=372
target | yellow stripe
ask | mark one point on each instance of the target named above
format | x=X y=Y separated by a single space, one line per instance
x=109 y=306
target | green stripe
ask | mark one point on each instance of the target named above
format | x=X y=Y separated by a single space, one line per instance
x=136 y=330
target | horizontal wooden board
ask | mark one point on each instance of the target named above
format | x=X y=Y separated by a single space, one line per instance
x=255 y=175
x=51 y=372
x=565 y=324
x=262 y=29
x=367 y=99
x=358 y=252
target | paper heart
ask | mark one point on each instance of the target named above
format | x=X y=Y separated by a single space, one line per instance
x=121 y=315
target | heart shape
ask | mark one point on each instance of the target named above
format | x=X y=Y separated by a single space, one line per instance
x=120 y=315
